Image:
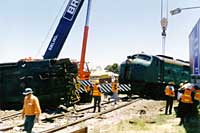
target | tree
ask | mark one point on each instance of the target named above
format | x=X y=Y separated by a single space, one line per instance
x=113 y=68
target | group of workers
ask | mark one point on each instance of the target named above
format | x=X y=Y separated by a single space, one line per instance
x=188 y=96
x=96 y=93
x=31 y=107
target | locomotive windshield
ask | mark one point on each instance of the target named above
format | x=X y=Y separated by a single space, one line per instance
x=143 y=57
x=138 y=56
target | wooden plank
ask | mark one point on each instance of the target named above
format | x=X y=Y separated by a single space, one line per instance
x=83 y=130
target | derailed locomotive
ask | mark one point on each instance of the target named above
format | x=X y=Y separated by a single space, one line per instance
x=148 y=75
x=50 y=80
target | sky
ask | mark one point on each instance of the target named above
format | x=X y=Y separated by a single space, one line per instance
x=117 y=28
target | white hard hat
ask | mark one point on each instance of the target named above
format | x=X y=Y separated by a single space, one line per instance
x=27 y=91
x=187 y=86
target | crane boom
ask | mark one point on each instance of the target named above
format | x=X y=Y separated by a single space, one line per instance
x=63 y=29
x=85 y=75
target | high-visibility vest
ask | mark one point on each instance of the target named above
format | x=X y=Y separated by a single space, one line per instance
x=31 y=106
x=169 y=91
x=96 y=91
x=186 y=97
x=197 y=95
x=114 y=87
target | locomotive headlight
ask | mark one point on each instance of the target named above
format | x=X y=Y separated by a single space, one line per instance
x=23 y=65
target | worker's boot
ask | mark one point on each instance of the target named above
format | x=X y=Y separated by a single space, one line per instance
x=181 y=122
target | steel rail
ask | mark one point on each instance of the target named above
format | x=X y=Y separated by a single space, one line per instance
x=10 y=116
x=49 y=118
x=87 y=118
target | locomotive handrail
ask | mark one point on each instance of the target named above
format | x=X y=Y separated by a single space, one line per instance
x=164 y=56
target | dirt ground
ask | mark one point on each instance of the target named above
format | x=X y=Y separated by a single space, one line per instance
x=145 y=116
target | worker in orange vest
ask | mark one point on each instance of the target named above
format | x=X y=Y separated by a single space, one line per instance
x=186 y=102
x=170 y=94
x=31 y=110
x=115 y=88
x=97 y=96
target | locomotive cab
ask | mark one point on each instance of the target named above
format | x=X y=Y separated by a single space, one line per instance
x=134 y=68
x=148 y=74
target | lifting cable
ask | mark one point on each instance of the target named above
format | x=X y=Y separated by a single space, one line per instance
x=51 y=27
x=164 y=22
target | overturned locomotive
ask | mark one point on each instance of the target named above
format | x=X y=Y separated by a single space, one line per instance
x=50 y=80
x=148 y=74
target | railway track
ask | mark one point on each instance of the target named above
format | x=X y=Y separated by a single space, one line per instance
x=54 y=129
x=8 y=117
x=77 y=114
x=14 y=115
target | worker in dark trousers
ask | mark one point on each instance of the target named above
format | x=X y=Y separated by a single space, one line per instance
x=196 y=100
x=31 y=110
x=169 y=94
x=97 y=96
x=186 y=102
x=179 y=94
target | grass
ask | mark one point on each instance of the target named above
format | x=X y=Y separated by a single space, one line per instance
x=151 y=124
x=130 y=125
x=154 y=124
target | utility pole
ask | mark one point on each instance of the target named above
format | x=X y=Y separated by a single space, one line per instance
x=164 y=22
x=194 y=47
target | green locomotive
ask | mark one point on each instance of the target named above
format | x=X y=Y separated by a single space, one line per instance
x=148 y=75
x=50 y=80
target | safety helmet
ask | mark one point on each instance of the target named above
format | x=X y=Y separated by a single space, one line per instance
x=96 y=81
x=27 y=91
x=196 y=87
x=171 y=83
x=181 y=84
x=187 y=86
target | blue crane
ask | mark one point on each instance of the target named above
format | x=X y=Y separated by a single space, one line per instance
x=63 y=29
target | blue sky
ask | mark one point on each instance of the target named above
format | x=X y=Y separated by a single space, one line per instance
x=118 y=28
